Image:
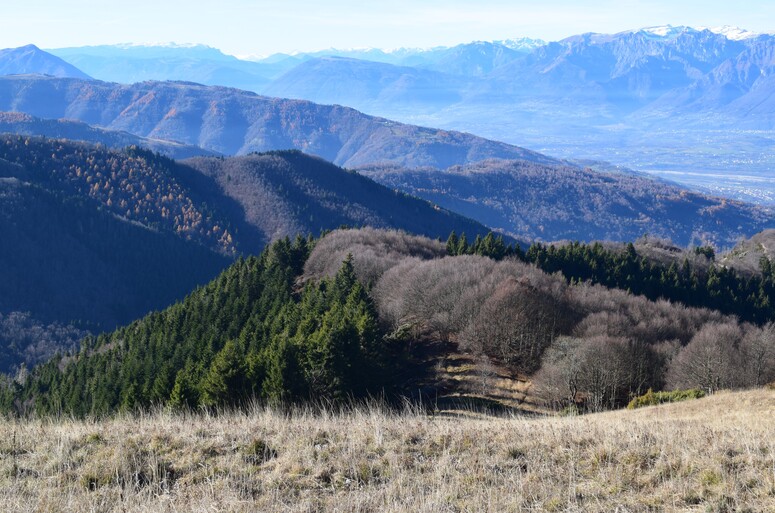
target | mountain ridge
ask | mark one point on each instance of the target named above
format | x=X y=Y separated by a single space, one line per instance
x=31 y=59
x=232 y=121
x=534 y=202
x=24 y=124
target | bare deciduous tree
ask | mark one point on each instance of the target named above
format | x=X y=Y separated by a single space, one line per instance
x=758 y=355
x=711 y=360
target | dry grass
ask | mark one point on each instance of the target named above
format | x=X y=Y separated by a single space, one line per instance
x=713 y=454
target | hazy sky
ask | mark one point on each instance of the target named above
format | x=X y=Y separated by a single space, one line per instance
x=261 y=27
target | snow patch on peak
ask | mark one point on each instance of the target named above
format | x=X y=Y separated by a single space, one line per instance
x=522 y=43
x=127 y=46
x=732 y=32
x=666 y=31
x=670 y=31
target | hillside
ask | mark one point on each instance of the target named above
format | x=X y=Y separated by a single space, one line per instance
x=230 y=121
x=285 y=193
x=24 y=124
x=64 y=261
x=364 y=312
x=711 y=454
x=131 y=231
x=134 y=184
x=747 y=254
x=30 y=59
x=530 y=201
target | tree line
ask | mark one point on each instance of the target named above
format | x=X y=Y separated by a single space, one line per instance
x=751 y=298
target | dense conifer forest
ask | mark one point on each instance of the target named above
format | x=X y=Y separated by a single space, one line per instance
x=249 y=334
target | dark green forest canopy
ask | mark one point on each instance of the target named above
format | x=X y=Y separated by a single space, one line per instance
x=248 y=334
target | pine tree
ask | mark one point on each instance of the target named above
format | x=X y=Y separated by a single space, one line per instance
x=462 y=245
x=452 y=243
x=224 y=383
x=184 y=394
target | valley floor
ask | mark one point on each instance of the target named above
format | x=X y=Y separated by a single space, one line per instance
x=712 y=454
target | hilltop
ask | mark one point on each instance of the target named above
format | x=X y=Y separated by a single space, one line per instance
x=747 y=254
x=30 y=59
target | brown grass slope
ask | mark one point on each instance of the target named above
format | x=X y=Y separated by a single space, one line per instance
x=713 y=454
x=747 y=253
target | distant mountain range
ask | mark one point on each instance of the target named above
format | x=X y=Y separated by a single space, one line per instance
x=591 y=78
x=368 y=85
x=231 y=121
x=128 y=64
x=622 y=72
x=664 y=73
x=31 y=59
x=694 y=104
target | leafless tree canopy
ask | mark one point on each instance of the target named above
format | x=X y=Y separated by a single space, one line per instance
x=373 y=251
x=587 y=343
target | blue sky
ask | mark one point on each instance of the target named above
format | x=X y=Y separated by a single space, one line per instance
x=245 y=27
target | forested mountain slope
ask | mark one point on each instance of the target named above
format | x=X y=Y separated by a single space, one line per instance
x=532 y=201
x=285 y=193
x=101 y=236
x=230 y=121
x=24 y=124
x=294 y=325
x=64 y=261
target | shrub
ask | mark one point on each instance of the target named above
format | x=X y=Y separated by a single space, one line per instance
x=652 y=398
x=258 y=452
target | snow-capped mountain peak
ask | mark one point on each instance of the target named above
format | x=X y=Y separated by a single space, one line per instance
x=665 y=31
x=732 y=32
x=522 y=43
x=166 y=45
x=670 y=31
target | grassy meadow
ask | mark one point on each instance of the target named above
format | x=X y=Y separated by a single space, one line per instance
x=712 y=455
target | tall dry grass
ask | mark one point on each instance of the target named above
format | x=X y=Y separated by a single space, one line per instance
x=712 y=454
